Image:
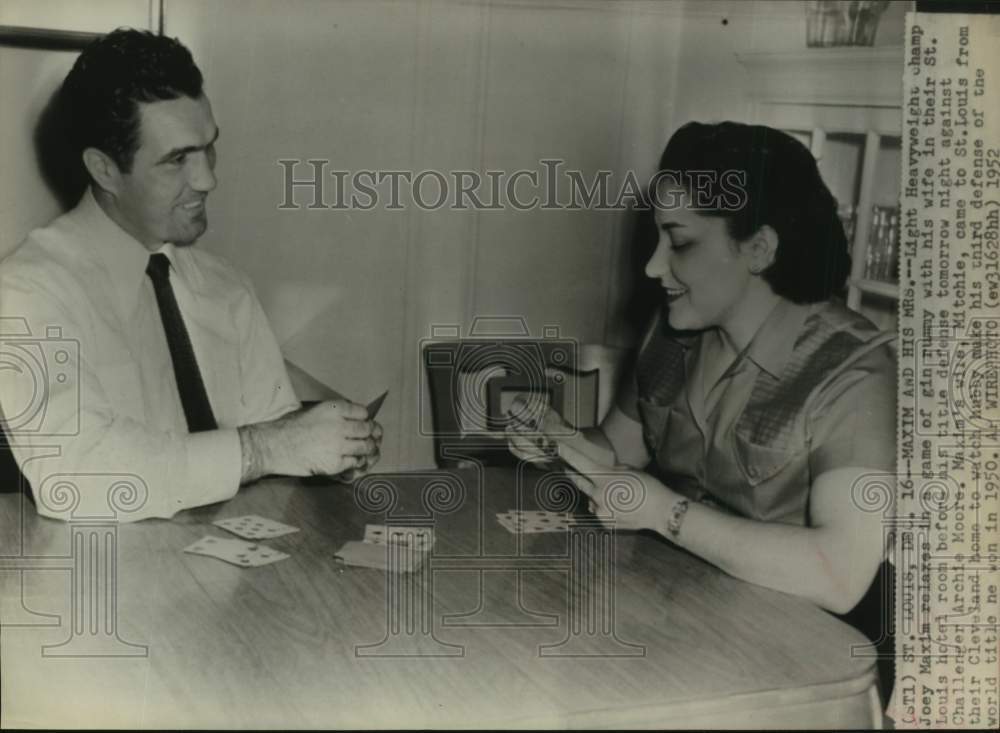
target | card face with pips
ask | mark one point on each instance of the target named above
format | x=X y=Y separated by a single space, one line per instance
x=253 y=527
x=535 y=522
x=238 y=552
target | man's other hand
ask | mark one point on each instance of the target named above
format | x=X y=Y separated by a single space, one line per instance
x=328 y=438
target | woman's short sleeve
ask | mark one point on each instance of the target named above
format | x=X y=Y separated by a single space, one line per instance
x=853 y=421
x=628 y=395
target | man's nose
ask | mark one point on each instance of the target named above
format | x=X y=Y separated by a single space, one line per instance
x=202 y=176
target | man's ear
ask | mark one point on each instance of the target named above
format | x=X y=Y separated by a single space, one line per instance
x=103 y=169
x=761 y=249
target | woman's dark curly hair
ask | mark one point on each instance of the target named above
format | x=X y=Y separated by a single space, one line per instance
x=102 y=92
x=783 y=190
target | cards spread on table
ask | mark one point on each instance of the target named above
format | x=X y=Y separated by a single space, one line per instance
x=237 y=552
x=375 y=405
x=535 y=522
x=396 y=548
x=253 y=527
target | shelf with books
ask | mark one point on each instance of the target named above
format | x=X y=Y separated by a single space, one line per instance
x=844 y=104
x=882 y=250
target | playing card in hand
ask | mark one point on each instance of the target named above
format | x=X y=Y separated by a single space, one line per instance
x=375 y=405
x=534 y=446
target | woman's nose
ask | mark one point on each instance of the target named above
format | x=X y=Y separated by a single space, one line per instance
x=659 y=263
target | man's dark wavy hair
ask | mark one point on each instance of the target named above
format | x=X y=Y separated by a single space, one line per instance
x=784 y=190
x=102 y=92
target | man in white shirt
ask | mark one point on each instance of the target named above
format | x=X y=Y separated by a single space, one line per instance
x=158 y=360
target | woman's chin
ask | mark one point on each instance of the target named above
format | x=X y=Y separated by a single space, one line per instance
x=680 y=320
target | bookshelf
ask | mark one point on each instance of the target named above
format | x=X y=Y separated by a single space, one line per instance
x=845 y=105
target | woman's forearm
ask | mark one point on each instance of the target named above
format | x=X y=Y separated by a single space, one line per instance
x=779 y=556
x=831 y=562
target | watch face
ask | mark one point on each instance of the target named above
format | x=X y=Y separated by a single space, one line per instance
x=676 y=517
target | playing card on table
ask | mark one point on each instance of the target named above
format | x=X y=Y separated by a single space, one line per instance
x=398 y=558
x=422 y=538
x=252 y=527
x=535 y=522
x=375 y=405
x=237 y=552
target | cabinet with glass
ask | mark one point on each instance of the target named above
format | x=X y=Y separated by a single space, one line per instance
x=845 y=105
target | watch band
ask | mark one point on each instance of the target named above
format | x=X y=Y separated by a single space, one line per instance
x=677 y=518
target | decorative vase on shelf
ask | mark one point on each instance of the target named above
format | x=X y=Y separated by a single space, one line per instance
x=843 y=22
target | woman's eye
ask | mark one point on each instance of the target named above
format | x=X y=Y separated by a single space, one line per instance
x=680 y=246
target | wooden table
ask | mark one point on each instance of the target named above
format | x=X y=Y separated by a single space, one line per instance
x=584 y=630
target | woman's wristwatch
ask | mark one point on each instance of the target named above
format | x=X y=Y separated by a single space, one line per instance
x=677 y=518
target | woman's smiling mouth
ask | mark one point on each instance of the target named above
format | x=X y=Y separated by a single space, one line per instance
x=674 y=293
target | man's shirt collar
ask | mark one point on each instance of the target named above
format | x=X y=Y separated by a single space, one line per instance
x=122 y=255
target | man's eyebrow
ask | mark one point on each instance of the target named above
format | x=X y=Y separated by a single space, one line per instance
x=668 y=225
x=188 y=149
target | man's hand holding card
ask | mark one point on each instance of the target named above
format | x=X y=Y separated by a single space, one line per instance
x=372 y=410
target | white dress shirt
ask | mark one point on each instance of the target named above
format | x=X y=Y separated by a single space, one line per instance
x=104 y=413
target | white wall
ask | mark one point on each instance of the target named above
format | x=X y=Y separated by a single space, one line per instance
x=442 y=85
x=28 y=78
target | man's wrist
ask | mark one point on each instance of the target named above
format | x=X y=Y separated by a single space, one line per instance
x=252 y=452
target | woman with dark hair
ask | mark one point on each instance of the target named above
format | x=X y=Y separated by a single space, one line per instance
x=759 y=403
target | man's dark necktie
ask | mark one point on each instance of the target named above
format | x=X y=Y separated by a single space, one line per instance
x=194 y=398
